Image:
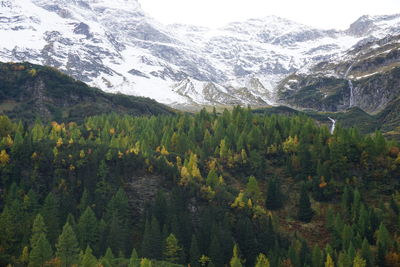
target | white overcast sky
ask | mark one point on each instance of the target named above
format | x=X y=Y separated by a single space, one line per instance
x=326 y=14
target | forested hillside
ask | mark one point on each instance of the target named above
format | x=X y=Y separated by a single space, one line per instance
x=235 y=189
x=29 y=91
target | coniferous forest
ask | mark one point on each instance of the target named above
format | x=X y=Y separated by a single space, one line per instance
x=231 y=189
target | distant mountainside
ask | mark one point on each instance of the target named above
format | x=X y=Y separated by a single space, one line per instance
x=368 y=77
x=115 y=46
x=387 y=121
x=28 y=91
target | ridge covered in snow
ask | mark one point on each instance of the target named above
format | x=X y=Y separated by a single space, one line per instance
x=116 y=46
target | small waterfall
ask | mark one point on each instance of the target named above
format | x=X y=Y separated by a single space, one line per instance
x=351 y=94
x=333 y=125
x=350 y=86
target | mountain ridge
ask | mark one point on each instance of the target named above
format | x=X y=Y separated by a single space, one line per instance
x=122 y=49
x=29 y=91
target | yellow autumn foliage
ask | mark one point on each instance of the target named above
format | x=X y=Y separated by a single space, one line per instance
x=4 y=158
x=59 y=142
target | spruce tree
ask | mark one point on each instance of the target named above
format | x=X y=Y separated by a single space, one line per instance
x=274 y=200
x=194 y=253
x=359 y=261
x=108 y=259
x=253 y=189
x=262 y=261
x=134 y=260
x=146 y=263
x=41 y=252
x=329 y=262
x=67 y=247
x=50 y=213
x=316 y=256
x=146 y=242
x=305 y=213
x=366 y=253
x=117 y=218
x=152 y=241
x=235 y=261
x=84 y=202
x=24 y=258
x=88 y=260
x=172 y=249
x=214 y=251
x=38 y=229
x=87 y=228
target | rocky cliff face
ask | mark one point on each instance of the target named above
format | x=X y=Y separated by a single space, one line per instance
x=117 y=47
x=367 y=77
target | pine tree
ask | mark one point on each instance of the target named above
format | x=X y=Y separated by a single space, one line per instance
x=172 y=249
x=214 y=251
x=194 y=253
x=329 y=261
x=262 y=261
x=87 y=228
x=50 y=213
x=212 y=178
x=24 y=258
x=253 y=189
x=88 y=260
x=67 y=247
x=383 y=237
x=41 y=252
x=305 y=213
x=84 y=203
x=235 y=261
x=134 y=260
x=274 y=195
x=347 y=236
x=344 y=260
x=117 y=218
x=359 y=261
x=108 y=259
x=366 y=253
x=152 y=241
x=38 y=229
x=146 y=263
x=316 y=257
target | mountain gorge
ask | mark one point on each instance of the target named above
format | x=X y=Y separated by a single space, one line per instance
x=117 y=47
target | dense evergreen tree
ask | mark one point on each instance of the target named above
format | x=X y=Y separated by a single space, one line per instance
x=134 y=260
x=67 y=247
x=87 y=259
x=87 y=228
x=41 y=252
x=50 y=213
x=235 y=261
x=172 y=249
x=194 y=253
x=274 y=200
x=38 y=229
x=262 y=261
x=305 y=212
x=152 y=241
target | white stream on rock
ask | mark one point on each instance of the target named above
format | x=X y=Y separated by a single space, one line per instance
x=333 y=125
x=350 y=86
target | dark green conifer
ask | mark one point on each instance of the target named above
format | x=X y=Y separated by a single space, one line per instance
x=305 y=212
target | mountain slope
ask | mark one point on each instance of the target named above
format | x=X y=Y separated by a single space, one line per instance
x=119 y=48
x=367 y=77
x=28 y=91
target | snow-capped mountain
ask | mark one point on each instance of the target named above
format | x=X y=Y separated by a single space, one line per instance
x=117 y=47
